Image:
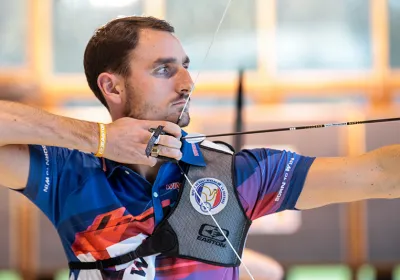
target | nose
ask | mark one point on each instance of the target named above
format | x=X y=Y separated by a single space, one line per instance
x=184 y=82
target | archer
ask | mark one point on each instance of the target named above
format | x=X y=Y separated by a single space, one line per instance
x=106 y=196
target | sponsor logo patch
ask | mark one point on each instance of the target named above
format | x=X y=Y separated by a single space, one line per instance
x=212 y=235
x=173 y=186
x=194 y=149
x=213 y=194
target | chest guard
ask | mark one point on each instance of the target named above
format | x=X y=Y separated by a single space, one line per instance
x=189 y=231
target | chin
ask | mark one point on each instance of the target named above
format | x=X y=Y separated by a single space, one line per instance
x=183 y=122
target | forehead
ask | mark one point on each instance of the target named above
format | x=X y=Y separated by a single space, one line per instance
x=155 y=44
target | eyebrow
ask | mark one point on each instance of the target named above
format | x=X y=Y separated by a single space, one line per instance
x=165 y=60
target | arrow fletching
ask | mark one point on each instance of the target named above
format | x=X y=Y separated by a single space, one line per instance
x=194 y=138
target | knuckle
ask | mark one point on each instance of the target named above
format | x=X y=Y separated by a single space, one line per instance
x=145 y=137
x=137 y=138
x=165 y=124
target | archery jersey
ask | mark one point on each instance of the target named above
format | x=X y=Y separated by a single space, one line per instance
x=102 y=209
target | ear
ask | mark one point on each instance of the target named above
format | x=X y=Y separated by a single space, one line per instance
x=110 y=86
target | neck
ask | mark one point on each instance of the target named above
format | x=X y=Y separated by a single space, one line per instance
x=147 y=172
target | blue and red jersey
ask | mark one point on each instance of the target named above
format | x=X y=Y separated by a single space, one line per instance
x=103 y=209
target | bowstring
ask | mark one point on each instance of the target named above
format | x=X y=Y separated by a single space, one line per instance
x=205 y=58
x=183 y=110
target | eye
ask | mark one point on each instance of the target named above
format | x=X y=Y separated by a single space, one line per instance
x=162 y=70
x=186 y=65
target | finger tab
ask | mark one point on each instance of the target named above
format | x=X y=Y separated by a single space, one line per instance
x=153 y=139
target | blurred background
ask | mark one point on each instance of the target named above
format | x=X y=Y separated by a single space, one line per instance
x=303 y=61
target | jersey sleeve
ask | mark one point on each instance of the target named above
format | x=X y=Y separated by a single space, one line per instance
x=53 y=174
x=270 y=181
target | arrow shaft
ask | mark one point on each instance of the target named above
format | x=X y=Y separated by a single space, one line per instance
x=296 y=128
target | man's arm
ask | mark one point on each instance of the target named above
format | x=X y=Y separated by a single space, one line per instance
x=375 y=174
x=21 y=125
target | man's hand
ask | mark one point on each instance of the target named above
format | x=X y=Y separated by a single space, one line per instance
x=127 y=139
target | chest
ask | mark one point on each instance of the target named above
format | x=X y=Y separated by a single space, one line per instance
x=117 y=208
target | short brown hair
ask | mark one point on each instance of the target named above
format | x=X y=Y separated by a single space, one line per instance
x=110 y=46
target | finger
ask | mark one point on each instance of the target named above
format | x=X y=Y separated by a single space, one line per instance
x=169 y=141
x=173 y=129
x=154 y=139
x=169 y=127
x=150 y=161
x=170 y=152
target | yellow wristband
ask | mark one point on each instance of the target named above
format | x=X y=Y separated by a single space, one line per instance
x=102 y=140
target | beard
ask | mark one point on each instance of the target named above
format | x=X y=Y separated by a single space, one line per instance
x=147 y=111
x=184 y=120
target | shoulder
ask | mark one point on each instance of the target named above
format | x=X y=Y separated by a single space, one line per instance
x=263 y=154
x=271 y=162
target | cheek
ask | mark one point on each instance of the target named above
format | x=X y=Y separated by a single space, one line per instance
x=148 y=88
x=158 y=88
x=143 y=85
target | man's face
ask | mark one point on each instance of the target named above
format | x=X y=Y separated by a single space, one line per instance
x=159 y=83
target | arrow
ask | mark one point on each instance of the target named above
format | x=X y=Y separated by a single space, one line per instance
x=198 y=137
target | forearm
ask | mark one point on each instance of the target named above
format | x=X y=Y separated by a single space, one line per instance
x=22 y=124
x=387 y=161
